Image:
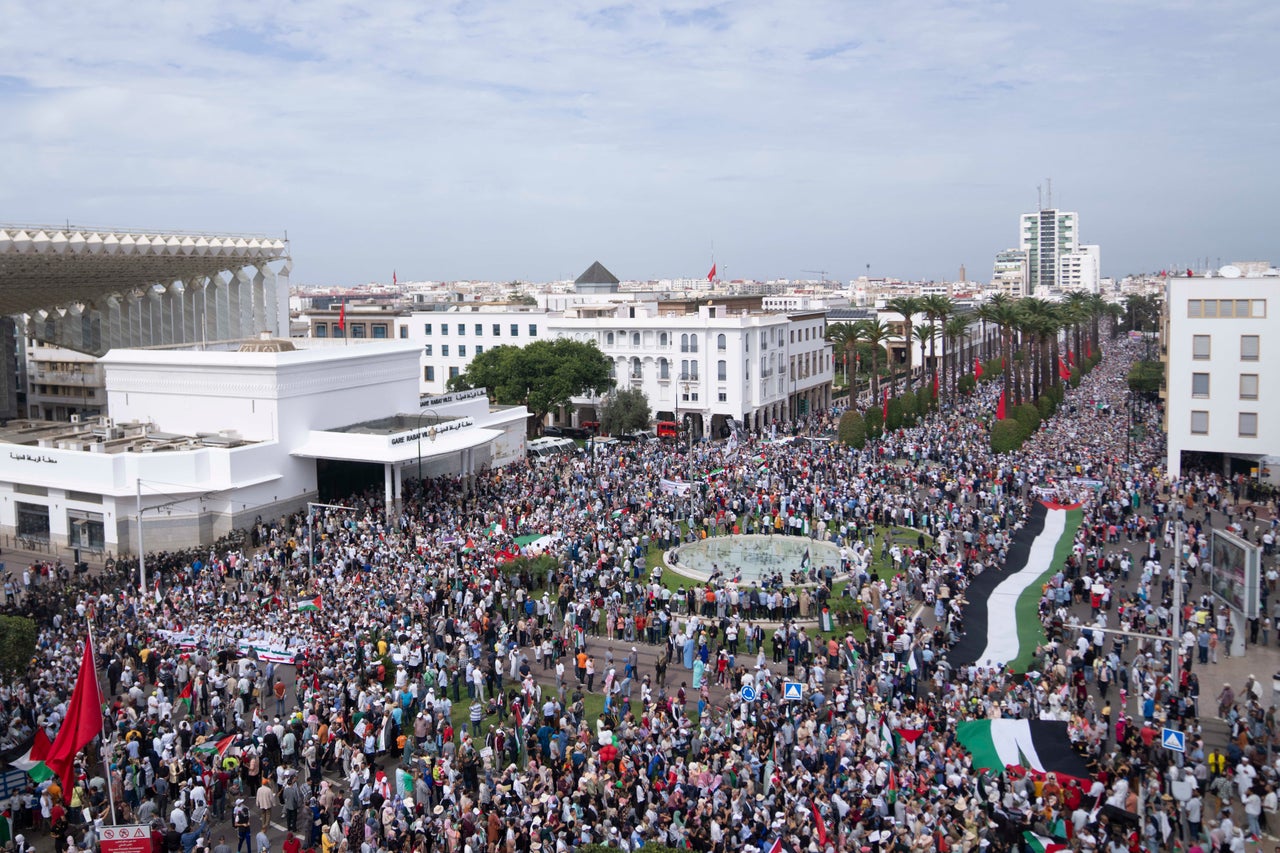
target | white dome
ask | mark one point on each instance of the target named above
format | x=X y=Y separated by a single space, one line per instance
x=76 y=243
x=127 y=244
x=93 y=243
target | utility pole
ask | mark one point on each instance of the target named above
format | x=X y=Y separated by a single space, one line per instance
x=142 y=549
x=1177 y=603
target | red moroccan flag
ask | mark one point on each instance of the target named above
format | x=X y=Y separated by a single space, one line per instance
x=1088 y=349
x=884 y=407
x=82 y=724
x=1071 y=358
x=711 y=276
x=819 y=824
x=1063 y=371
x=977 y=368
x=935 y=384
x=342 y=315
x=1000 y=407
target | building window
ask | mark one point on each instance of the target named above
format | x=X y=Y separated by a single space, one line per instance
x=428 y=374
x=479 y=329
x=662 y=339
x=444 y=328
x=533 y=330
x=426 y=328
x=479 y=348
x=1248 y=386
x=722 y=370
x=1199 y=385
x=444 y=350
x=462 y=328
x=636 y=369
x=722 y=397
x=33 y=521
x=462 y=350
x=453 y=372
x=1248 y=424
x=1199 y=423
x=404 y=332
x=1200 y=347
x=322 y=330
x=1259 y=308
x=1195 y=307
x=664 y=369
x=426 y=349
x=608 y=339
x=1249 y=347
x=635 y=339
x=497 y=330
x=515 y=330
x=357 y=331
x=380 y=331
x=338 y=331
x=722 y=342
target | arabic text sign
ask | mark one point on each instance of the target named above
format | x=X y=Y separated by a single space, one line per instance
x=125 y=839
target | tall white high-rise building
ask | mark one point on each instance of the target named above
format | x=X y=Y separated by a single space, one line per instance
x=1046 y=236
x=1081 y=270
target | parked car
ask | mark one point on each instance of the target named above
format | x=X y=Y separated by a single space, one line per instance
x=552 y=432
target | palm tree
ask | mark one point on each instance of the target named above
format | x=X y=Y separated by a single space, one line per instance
x=846 y=337
x=1005 y=316
x=937 y=308
x=954 y=331
x=925 y=335
x=875 y=333
x=1077 y=313
x=908 y=307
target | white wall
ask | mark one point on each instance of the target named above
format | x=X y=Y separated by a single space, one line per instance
x=1224 y=368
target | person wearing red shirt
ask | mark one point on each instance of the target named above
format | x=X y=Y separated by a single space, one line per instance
x=292 y=844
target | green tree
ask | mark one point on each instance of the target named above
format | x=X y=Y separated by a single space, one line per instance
x=874 y=418
x=894 y=419
x=17 y=644
x=853 y=429
x=625 y=410
x=1145 y=377
x=543 y=375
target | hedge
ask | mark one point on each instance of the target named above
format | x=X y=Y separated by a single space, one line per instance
x=1046 y=406
x=894 y=421
x=853 y=430
x=1028 y=415
x=967 y=383
x=1075 y=377
x=874 y=421
x=1007 y=435
x=910 y=402
x=925 y=401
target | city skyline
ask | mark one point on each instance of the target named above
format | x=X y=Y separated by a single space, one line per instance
x=497 y=141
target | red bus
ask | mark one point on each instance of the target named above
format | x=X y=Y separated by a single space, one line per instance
x=668 y=429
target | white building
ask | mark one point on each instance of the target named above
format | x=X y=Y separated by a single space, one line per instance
x=1010 y=276
x=62 y=382
x=1081 y=270
x=710 y=366
x=1046 y=236
x=1222 y=347
x=205 y=440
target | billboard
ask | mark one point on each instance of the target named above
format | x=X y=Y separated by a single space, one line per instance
x=1235 y=572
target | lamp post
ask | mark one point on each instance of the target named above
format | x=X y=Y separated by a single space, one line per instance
x=434 y=424
x=142 y=549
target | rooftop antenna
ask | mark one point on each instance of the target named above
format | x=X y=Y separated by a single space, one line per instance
x=1039 y=197
x=1048 y=192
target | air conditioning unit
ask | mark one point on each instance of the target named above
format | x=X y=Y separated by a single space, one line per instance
x=75 y=419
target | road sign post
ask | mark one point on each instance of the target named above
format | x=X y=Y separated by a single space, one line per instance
x=792 y=691
x=1173 y=740
x=748 y=693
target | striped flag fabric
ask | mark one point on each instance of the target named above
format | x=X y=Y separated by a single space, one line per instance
x=1042 y=843
x=218 y=747
x=185 y=696
x=311 y=605
x=32 y=763
x=1042 y=746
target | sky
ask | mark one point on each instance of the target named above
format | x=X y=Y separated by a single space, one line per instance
x=521 y=139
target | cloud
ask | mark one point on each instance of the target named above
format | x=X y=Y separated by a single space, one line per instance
x=495 y=139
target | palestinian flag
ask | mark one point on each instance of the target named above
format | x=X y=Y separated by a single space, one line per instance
x=219 y=747
x=33 y=762
x=493 y=529
x=1042 y=746
x=1042 y=843
x=311 y=605
x=1002 y=618
x=185 y=696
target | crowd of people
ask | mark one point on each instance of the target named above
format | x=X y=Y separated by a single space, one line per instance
x=445 y=696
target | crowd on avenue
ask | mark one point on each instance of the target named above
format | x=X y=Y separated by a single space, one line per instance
x=440 y=700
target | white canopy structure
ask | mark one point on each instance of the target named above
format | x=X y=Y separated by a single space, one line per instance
x=92 y=289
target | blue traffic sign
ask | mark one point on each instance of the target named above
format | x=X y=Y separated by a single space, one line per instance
x=1174 y=740
x=748 y=693
x=792 y=691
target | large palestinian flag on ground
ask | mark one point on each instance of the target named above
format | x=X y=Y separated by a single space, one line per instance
x=1039 y=745
x=1001 y=620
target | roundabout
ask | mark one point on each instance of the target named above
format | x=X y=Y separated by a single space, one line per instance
x=759 y=559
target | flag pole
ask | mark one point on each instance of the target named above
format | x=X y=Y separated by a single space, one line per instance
x=106 y=755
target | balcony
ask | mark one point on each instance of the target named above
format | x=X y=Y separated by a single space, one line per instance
x=66 y=377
